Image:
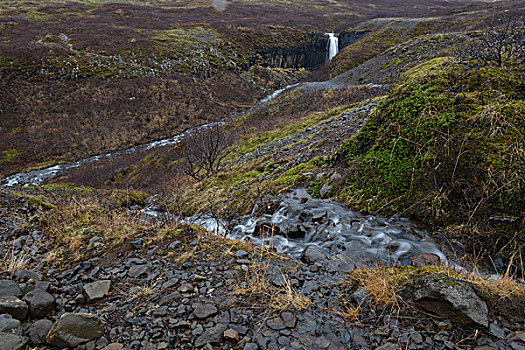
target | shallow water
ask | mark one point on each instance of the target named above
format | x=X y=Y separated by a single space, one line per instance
x=301 y=221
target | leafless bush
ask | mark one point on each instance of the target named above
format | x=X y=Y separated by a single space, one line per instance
x=501 y=45
x=204 y=154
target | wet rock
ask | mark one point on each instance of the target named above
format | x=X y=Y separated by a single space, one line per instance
x=41 y=303
x=452 y=299
x=73 y=329
x=97 y=290
x=203 y=311
x=231 y=335
x=421 y=260
x=213 y=336
x=10 y=341
x=9 y=325
x=313 y=254
x=9 y=287
x=13 y=306
x=39 y=330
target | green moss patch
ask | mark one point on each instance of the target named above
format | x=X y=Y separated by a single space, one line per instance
x=448 y=147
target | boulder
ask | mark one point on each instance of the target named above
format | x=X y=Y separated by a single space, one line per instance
x=10 y=341
x=13 y=306
x=450 y=298
x=41 y=303
x=37 y=331
x=9 y=325
x=312 y=254
x=9 y=287
x=97 y=290
x=73 y=329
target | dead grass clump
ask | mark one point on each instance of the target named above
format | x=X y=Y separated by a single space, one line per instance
x=12 y=262
x=384 y=284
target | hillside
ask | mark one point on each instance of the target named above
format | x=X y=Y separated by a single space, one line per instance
x=81 y=78
x=376 y=201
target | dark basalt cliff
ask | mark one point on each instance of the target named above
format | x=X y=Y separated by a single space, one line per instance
x=310 y=55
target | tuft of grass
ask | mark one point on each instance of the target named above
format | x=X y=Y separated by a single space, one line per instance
x=12 y=262
x=385 y=284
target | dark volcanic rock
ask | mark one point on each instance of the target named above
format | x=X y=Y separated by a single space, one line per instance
x=73 y=329
x=9 y=287
x=452 y=299
x=41 y=303
x=9 y=324
x=313 y=254
x=13 y=306
x=203 y=311
x=97 y=290
x=213 y=335
x=12 y=342
x=39 y=330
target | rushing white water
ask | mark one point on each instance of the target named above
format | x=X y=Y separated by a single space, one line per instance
x=302 y=221
x=333 y=45
x=38 y=177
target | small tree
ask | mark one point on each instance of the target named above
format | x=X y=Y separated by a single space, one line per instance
x=501 y=45
x=205 y=152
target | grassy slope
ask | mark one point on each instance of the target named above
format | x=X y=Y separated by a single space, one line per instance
x=446 y=146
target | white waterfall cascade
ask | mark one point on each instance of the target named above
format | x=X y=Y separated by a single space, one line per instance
x=333 y=45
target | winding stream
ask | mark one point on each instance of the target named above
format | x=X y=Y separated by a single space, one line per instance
x=40 y=176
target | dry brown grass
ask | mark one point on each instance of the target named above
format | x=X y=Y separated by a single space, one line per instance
x=254 y=283
x=12 y=262
x=385 y=283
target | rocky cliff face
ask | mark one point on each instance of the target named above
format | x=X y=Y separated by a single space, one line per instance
x=310 y=55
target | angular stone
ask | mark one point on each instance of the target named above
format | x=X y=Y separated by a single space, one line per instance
x=312 y=254
x=231 y=335
x=10 y=341
x=39 y=330
x=28 y=275
x=9 y=287
x=41 y=303
x=73 y=329
x=138 y=270
x=203 y=311
x=13 y=306
x=452 y=299
x=97 y=290
x=288 y=319
x=10 y=325
x=170 y=299
x=213 y=336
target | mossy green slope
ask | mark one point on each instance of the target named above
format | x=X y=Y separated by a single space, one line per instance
x=446 y=146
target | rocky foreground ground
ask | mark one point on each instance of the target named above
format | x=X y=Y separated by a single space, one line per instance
x=188 y=289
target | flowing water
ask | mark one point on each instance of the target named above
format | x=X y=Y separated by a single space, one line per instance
x=301 y=221
x=39 y=177
x=333 y=45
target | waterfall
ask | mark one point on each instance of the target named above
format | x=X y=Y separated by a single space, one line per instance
x=333 y=46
